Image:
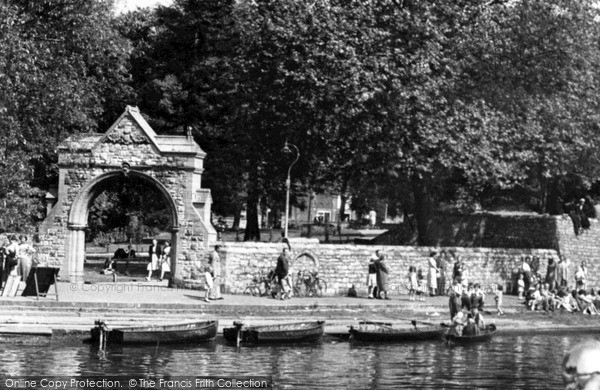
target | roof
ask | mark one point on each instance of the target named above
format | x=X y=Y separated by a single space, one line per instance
x=164 y=143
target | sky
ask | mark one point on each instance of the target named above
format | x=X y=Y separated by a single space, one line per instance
x=130 y=5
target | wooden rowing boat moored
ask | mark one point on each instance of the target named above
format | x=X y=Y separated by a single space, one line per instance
x=384 y=332
x=484 y=335
x=184 y=332
x=280 y=333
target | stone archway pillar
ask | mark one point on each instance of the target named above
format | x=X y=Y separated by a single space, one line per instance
x=175 y=268
x=75 y=252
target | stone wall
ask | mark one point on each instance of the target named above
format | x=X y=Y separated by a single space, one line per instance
x=345 y=265
x=578 y=248
x=130 y=149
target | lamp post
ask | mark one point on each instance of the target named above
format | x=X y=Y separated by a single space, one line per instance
x=286 y=149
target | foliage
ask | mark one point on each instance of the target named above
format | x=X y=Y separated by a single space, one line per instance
x=129 y=209
x=63 y=70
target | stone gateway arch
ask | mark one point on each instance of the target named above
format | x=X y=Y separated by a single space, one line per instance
x=129 y=150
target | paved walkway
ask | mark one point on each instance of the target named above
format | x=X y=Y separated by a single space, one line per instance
x=156 y=295
x=122 y=304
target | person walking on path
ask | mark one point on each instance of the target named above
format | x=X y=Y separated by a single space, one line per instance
x=562 y=272
x=432 y=274
x=214 y=260
x=551 y=274
x=282 y=271
x=165 y=261
x=372 y=276
x=153 y=256
x=208 y=282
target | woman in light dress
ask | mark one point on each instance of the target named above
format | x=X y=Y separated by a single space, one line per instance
x=26 y=252
x=432 y=274
x=165 y=260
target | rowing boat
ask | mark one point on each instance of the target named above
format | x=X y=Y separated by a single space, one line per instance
x=184 y=332
x=484 y=335
x=384 y=332
x=280 y=333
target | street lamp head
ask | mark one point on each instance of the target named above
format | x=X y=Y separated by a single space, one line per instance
x=286 y=149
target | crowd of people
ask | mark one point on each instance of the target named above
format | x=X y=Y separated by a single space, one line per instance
x=553 y=292
x=16 y=257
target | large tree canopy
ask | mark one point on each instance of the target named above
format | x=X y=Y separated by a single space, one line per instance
x=63 y=70
x=421 y=103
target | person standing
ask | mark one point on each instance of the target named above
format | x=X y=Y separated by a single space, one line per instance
x=382 y=277
x=26 y=252
x=432 y=274
x=3 y=245
x=372 y=276
x=551 y=274
x=282 y=270
x=562 y=271
x=12 y=256
x=459 y=269
x=153 y=256
x=526 y=270
x=165 y=263
x=441 y=276
x=215 y=262
x=454 y=301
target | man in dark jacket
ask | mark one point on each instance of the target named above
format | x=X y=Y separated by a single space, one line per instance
x=282 y=271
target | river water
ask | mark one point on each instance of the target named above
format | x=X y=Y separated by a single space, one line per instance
x=515 y=362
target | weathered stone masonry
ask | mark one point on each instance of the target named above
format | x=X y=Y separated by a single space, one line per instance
x=130 y=148
x=345 y=265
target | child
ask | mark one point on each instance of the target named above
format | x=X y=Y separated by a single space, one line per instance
x=208 y=270
x=413 y=282
x=498 y=299
x=521 y=287
x=457 y=324
x=422 y=286
x=478 y=297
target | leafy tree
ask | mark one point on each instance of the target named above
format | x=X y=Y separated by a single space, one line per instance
x=63 y=70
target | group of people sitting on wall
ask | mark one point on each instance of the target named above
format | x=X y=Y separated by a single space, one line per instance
x=16 y=257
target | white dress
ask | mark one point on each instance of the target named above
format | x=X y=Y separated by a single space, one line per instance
x=165 y=266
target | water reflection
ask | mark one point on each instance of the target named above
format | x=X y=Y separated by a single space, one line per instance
x=509 y=362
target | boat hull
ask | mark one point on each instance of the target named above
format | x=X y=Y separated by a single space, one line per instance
x=485 y=335
x=154 y=334
x=396 y=335
x=283 y=333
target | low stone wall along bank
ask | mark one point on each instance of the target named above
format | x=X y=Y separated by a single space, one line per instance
x=342 y=266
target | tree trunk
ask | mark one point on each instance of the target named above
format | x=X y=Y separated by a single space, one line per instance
x=553 y=205
x=422 y=209
x=236 y=218
x=252 y=232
